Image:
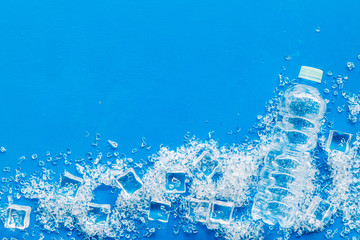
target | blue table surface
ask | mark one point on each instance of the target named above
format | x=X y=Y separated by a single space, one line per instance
x=157 y=69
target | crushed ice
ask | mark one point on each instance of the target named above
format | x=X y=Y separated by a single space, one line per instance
x=293 y=169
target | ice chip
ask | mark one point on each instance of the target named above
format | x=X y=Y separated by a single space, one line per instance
x=113 y=144
x=70 y=184
x=98 y=214
x=129 y=181
x=175 y=182
x=339 y=141
x=199 y=210
x=206 y=164
x=159 y=211
x=221 y=212
x=312 y=74
x=350 y=65
x=319 y=212
x=18 y=216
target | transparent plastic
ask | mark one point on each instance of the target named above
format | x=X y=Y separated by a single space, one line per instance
x=286 y=164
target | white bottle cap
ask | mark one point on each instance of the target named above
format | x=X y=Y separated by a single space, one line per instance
x=312 y=74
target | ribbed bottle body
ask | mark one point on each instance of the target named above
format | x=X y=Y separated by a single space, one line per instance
x=287 y=163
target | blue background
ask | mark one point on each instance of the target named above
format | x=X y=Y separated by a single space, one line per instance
x=156 y=69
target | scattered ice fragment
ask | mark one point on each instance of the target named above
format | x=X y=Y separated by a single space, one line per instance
x=68 y=151
x=221 y=212
x=98 y=214
x=113 y=144
x=135 y=150
x=359 y=56
x=199 y=210
x=47 y=153
x=34 y=156
x=176 y=229
x=159 y=211
x=310 y=73
x=326 y=90
x=2 y=149
x=21 y=159
x=350 y=65
x=329 y=73
x=206 y=164
x=317 y=29
x=129 y=181
x=319 y=212
x=339 y=141
x=97 y=137
x=288 y=57
x=69 y=184
x=143 y=142
x=18 y=216
x=175 y=182
x=6 y=169
x=86 y=134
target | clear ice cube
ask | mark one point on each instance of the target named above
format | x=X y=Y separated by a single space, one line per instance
x=98 y=214
x=221 y=212
x=18 y=216
x=159 y=211
x=319 y=212
x=206 y=164
x=69 y=185
x=175 y=182
x=129 y=181
x=339 y=141
x=199 y=210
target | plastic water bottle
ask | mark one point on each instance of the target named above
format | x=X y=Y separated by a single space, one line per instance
x=294 y=136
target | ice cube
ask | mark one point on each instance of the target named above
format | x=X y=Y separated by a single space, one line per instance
x=129 y=181
x=206 y=164
x=339 y=141
x=98 y=214
x=319 y=212
x=18 y=216
x=175 y=182
x=70 y=184
x=221 y=212
x=159 y=211
x=199 y=210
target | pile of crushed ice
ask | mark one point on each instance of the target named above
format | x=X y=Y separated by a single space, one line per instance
x=201 y=182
